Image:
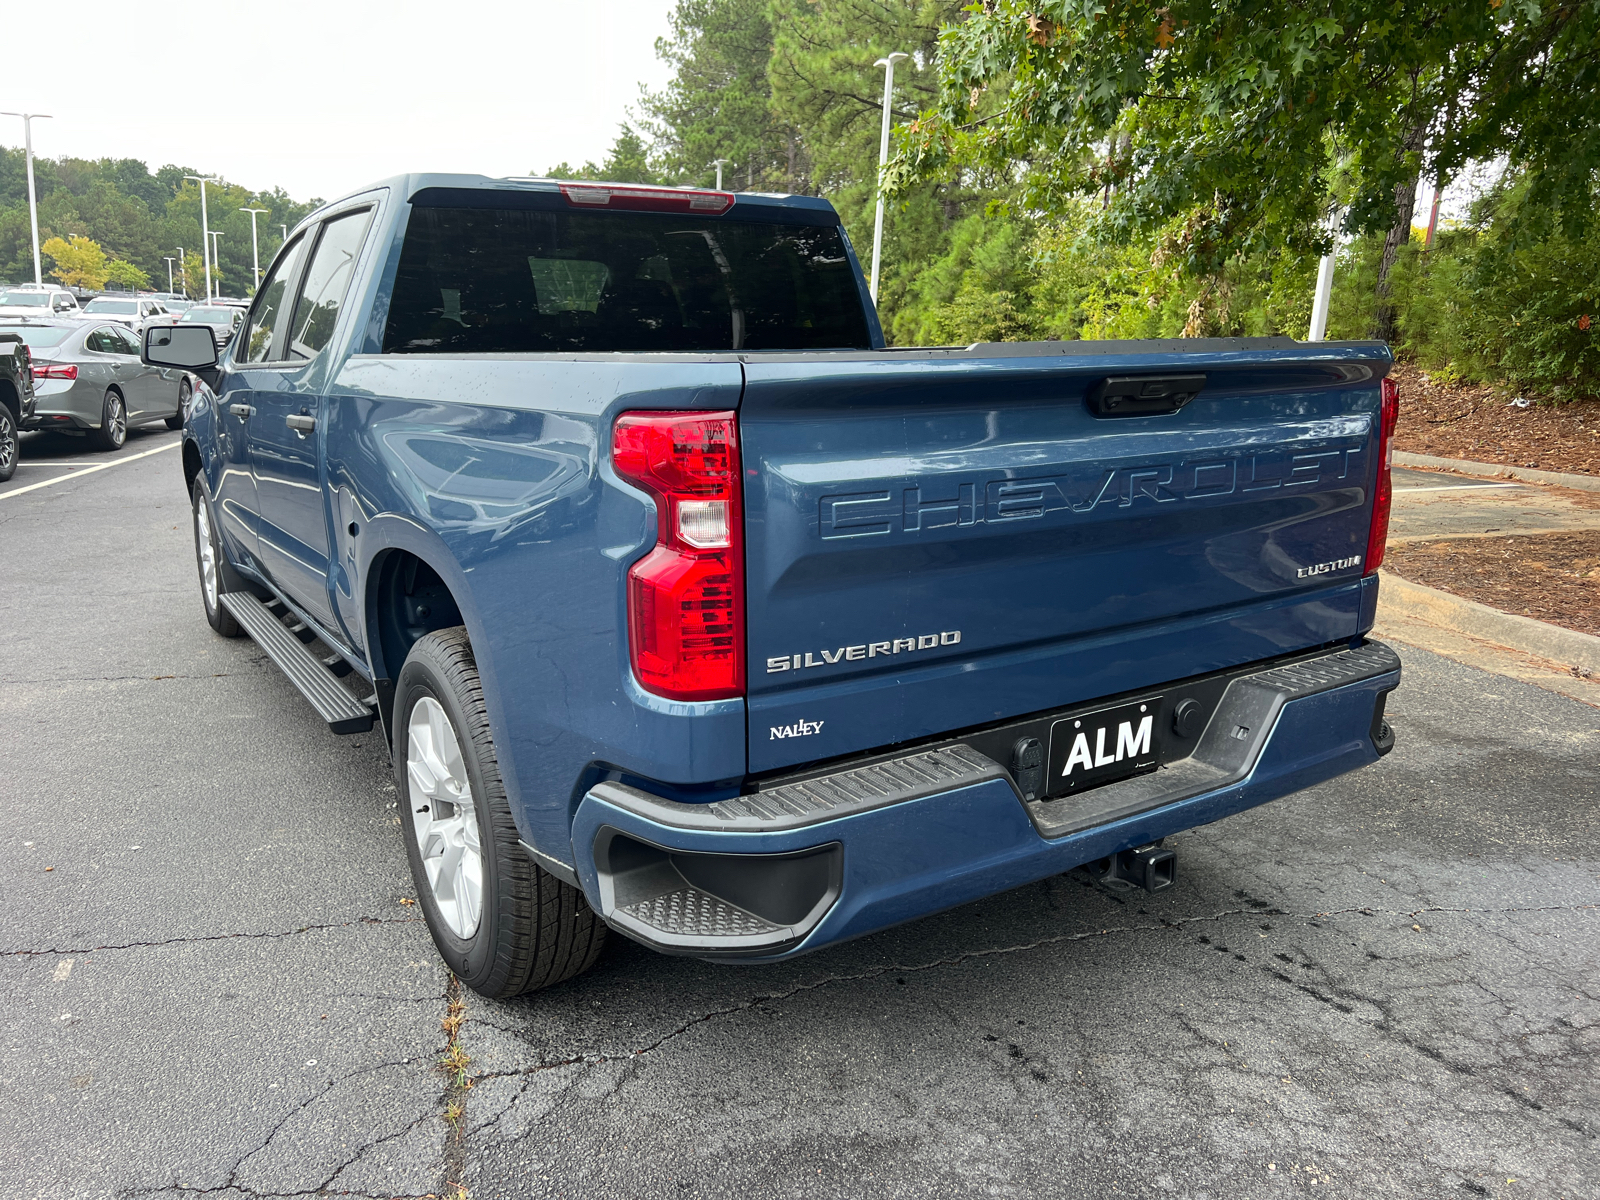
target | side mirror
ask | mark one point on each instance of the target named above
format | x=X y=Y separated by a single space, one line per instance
x=188 y=347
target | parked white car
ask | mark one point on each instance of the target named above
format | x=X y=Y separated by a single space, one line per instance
x=38 y=300
x=132 y=312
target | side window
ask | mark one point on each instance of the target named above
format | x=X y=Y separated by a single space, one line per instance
x=126 y=342
x=270 y=310
x=327 y=279
x=100 y=341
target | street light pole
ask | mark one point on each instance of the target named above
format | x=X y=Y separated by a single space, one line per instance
x=719 y=163
x=168 y=257
x=205 y=226
x=1324 y=293
x=255 y=249
x=183 y=273
x=33 y=201
x=883 y=156
x=216 y=236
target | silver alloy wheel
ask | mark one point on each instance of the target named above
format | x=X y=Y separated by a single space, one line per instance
x=206 y=550
x=444 y=817
x=8 y=443
x=116 y=419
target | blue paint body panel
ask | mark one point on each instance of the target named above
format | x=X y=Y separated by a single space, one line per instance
x=967 y=495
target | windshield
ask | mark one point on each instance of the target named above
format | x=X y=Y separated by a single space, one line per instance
x=118 y=307
x=211 y=316
x=514 y=280
x=26 y=299
x=40 y=335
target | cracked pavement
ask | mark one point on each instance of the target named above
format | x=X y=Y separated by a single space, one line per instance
x=1382 y=987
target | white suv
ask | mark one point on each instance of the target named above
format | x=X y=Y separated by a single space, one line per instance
x=38 y=300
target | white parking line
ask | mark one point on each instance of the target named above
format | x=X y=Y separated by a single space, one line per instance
x=115 y=462
x=1458 y=487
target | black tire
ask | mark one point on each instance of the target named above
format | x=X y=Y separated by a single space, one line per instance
x=10 y=445
x=175 y=421
x=113 y=431
x=224 y=578
x=535 y=930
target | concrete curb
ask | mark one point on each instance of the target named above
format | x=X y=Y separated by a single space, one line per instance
x=1584 y=483
x=1565 y=646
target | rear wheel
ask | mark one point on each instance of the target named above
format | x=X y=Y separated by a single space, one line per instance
x=8 y=444
x=501 y=923
x=113 y=431
x=175 y=421
x=216 y=576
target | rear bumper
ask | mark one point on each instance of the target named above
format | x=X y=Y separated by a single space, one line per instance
x=840 y=855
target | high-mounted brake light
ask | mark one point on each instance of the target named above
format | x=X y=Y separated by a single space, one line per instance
x=1383 y=493
x=55 y=371
x=648 y=199
x=686 y=597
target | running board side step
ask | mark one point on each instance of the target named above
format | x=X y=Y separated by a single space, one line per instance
x=343 y=712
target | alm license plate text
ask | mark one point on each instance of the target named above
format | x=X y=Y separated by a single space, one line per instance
x=1104 y=746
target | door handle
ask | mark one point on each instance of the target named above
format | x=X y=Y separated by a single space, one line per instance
x=301 y=422
x=240 y=410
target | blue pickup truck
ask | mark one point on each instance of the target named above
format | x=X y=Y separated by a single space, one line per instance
x=691 y=610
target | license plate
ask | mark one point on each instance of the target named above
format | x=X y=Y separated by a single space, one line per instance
x=1103 y=746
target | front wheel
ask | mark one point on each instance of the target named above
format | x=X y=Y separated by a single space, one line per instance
x=175 y=421
x=9 y=446
x=500 y=922
x=113 y=431
x=216 y=576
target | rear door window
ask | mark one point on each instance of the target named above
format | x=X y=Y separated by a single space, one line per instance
x=515 y=280
x=327 y=280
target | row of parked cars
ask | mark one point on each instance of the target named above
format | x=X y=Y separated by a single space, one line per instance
x=77 y=368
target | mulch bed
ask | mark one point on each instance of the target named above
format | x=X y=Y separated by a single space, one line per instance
x=1552 y=577
x=1479 y=424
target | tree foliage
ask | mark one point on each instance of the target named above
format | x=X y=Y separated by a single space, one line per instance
x=135 y=216
x=1226 y=129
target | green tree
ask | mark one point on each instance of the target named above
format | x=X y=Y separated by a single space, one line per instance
x=1228 y=130
x=628 y=162
x=126 y=275
x=718 y=103
x=78 y=262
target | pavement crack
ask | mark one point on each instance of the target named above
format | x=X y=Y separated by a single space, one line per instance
x=212 y=937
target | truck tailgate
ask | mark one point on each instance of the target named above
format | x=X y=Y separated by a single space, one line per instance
x=939 y=540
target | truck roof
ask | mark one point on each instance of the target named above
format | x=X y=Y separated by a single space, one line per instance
x=411 y=184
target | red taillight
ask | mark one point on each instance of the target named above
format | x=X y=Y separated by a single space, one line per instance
x=647 y=199
x=686 y=597
x=1383 y=493
x=55 y=371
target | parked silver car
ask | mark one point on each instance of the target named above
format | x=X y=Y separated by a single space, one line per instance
x=134 y=312
x=87 y=375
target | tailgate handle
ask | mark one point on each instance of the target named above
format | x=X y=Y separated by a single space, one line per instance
x=1143 y=395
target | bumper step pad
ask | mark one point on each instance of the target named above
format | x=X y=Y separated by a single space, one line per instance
x=691 y=913
x=343 y=712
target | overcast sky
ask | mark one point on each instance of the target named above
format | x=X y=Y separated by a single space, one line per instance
x=320 y=98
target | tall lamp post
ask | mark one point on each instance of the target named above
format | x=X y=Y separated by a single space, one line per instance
x=719 y=163
x=205 y=226
x=33 y=202
x=216 y=236
x=883 y=157
x=168 y=257
x=255 y=247
x=1323 y=296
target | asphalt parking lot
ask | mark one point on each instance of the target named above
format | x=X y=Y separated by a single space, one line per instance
x=1387 y=986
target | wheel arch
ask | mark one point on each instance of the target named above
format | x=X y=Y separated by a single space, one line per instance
x=192 y=465
x=12 y=400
